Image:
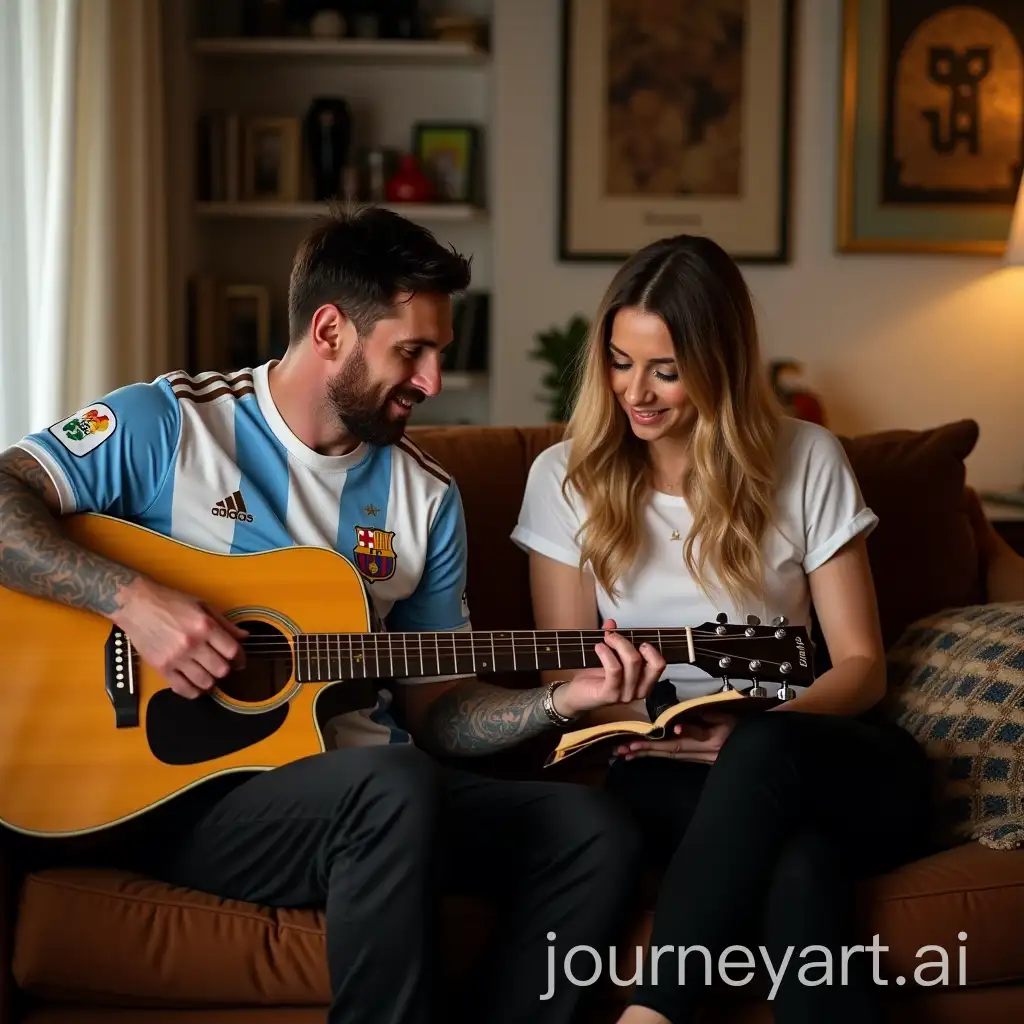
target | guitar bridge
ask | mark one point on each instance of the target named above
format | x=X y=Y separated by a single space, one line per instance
x=121 y=679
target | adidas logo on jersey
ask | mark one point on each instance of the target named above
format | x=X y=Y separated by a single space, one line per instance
x=232 y=507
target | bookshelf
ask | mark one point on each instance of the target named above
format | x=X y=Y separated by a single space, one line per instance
x=370 y=51
x=426 y=213
x=235 y=247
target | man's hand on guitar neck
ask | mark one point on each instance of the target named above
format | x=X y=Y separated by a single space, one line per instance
x=184 y=641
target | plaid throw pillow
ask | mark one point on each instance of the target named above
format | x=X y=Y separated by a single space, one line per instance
x=956 y=683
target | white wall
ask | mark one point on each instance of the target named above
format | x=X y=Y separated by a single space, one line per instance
x=900 y=341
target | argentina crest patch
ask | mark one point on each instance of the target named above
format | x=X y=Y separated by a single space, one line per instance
x=375 y=553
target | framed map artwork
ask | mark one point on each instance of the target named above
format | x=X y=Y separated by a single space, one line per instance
x=675 y=119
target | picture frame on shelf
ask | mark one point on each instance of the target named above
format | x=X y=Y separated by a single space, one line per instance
x=246 y=312
x=932 y=130
x=449 y=154
x=272 y=161
x=471 y=318
x=675 y=118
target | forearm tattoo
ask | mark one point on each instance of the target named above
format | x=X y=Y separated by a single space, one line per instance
x=36 y=558
x=478 y=718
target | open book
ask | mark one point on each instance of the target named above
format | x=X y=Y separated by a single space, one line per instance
x=610 y=734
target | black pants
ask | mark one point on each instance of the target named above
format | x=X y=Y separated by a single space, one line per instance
x=375 y=835
x=766 y=845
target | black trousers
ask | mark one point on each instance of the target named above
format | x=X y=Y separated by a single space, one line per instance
x=375 y=835
x=765 y=846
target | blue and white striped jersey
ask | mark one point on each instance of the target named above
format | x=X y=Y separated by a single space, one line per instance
x=209 y=461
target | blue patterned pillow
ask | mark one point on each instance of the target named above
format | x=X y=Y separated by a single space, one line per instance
x=956 y=683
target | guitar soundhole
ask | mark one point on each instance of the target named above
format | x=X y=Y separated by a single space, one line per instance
x=268 y=665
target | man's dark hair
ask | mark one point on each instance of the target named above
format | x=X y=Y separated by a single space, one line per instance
x=360 y=258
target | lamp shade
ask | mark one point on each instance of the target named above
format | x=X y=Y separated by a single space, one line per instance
x=1015 y=243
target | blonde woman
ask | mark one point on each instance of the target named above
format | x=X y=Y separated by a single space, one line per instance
x=680 y=492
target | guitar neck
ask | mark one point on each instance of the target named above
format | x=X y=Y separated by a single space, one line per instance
x=321 y=657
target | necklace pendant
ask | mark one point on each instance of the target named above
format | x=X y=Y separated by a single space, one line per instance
x=675 y=535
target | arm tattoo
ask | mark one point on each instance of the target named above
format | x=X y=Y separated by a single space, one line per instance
x=36 y=558
x=478 y=718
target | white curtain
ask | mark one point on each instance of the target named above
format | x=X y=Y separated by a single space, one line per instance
x=37 y=78
x=83 y=272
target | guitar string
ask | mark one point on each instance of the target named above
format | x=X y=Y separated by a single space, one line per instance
x=431 y=653
x=431 y=657
x=567 y=639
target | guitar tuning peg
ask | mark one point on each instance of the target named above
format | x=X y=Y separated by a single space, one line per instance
x=785 y=693
x=757 y=690
x=753 y=620
x=780 y=620
x=721 y=617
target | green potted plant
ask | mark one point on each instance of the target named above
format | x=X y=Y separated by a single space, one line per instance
x=561 y=349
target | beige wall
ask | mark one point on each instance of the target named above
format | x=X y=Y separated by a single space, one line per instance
x=904 y=341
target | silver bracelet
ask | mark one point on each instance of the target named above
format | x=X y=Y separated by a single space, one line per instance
x=548 y=703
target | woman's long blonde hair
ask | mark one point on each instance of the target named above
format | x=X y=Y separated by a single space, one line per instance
x=729 y=484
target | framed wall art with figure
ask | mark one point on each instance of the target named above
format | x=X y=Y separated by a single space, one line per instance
x=675 y=118
x=932 y=140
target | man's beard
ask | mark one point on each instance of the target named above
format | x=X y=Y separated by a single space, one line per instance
x=364 y=408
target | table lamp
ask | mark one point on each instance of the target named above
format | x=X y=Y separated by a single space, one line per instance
x=1015 y=243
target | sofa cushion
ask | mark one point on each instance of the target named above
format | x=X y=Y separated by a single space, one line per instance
x=957 y=686
x=923 y=552
x=970 y=889
x=87 y=934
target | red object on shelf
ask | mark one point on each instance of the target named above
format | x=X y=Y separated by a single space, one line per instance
x=798 y=402
x=409 y=184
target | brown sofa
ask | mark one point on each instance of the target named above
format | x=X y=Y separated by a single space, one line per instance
x=101 y=945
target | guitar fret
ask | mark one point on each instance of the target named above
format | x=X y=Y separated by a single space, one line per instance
x=437 y=655
x=558 y=650
x=583 y=649
x=455 y=655
x=494 y=657
x=513 y=639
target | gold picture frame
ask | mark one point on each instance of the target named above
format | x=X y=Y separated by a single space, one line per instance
x=272 y=160
x=246 y=318
x=675 y=118
x=915 y=175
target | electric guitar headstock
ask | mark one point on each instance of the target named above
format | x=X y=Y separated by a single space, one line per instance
x=777 y=653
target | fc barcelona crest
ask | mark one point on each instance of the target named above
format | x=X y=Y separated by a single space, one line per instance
x=375 y=553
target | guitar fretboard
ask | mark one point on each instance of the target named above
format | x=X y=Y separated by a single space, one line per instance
x=321 y=657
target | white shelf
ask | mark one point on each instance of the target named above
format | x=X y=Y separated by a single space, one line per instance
x=369 y=51
x=448 y=212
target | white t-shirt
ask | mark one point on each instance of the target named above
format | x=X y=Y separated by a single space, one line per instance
x=819 y=509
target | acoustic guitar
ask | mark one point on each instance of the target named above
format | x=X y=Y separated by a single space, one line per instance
x=91 y=736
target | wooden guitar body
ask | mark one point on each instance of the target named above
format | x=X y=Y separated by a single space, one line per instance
x=67 y=768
